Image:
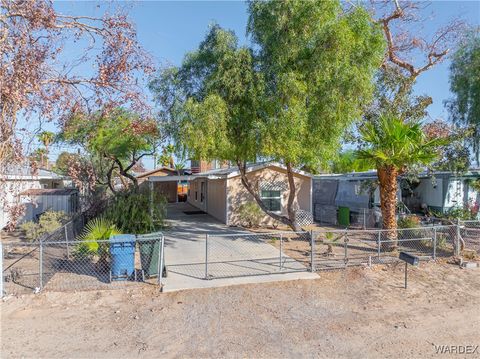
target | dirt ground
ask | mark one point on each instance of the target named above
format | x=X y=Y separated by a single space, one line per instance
x=355 y=313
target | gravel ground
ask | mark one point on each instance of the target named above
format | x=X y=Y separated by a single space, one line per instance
x=351 y=314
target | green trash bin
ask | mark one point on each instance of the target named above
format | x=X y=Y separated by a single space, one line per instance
x=344 y=216
x=149 y=247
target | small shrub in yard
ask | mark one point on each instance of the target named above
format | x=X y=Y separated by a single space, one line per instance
x=250 y=214
x=48 y=223
x=98 y=229
x=409 y=225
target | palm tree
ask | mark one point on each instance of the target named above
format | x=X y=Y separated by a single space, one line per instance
x=46 y=137
x=392 y=146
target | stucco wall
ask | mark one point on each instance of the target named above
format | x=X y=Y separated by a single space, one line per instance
x=237 y=194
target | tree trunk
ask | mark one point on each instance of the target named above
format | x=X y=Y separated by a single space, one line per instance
x=387 y=177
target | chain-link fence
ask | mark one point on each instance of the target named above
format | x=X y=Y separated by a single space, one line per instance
x=82 y=265
x=233 y=255
x=358 y=217
x=246 y=254
x=470 y=233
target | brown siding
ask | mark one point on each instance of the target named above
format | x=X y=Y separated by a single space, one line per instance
x=167 y=189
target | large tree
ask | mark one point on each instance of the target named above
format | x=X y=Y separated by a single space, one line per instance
x=115 y=140
x=465 y=86
x=287 y=98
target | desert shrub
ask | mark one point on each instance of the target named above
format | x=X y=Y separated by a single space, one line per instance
x=97 y=230
x=408 y=224
x=134 y=213
x=250 y=214
x=48 y=222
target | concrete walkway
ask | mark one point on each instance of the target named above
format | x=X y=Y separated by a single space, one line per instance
x=234 y=256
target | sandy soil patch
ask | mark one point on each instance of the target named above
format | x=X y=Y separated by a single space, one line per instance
x=352 y=313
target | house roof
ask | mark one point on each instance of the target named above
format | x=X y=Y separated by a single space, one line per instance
x=373 y=175
x=26 y=172
x=49 y=192
x=170 y=172
x=234 y=171
x=225 y=173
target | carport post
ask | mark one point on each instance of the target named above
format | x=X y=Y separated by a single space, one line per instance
x=206 y=256
x=281 y=245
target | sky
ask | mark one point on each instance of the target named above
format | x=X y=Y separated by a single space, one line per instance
x=169 y=29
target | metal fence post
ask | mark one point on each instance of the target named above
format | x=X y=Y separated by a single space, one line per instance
x=346 y=247
x=206 y=256
x=457 y=239
x=434 y=243
x=312 y=251
x=364 y=219
x=1 y=269
x=40 y=263
x=281 y=247
x=378 y=245
x=66 y=240
x=161 y=264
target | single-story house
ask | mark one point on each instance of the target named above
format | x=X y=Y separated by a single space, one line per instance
x=441 y=191
x=18 y=180
x=220 y=192
x=173 y=189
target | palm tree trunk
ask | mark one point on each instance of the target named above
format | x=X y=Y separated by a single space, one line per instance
x=387 y=177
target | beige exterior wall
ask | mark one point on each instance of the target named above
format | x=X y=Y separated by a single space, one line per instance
x=237 y=194
x=216 y=201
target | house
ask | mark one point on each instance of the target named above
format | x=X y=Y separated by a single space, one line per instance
x=441 y=191
x=220 y=192
x=355 y=195
x=22 y=185
x=174 y=189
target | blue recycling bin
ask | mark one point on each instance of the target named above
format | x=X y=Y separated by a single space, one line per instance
x=122 y=256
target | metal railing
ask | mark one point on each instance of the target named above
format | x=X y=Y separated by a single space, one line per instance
x=81 y=265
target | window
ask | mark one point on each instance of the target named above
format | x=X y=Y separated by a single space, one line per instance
x=272 y=200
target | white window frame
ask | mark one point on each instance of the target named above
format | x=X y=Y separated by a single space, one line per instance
x=280 y=197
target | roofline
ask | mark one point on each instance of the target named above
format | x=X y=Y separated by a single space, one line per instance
x=146 y=174
x=373 y=175
x=253 y=168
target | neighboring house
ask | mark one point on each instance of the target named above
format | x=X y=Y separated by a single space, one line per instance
x=40 y=200
x=442 y=191
x=220 y=192
x=16 y=184
x=174 y=188
x=351 y=194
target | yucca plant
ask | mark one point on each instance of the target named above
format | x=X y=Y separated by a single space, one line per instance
x=97 y=230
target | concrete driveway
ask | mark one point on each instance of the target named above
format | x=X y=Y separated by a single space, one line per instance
x=234 y=256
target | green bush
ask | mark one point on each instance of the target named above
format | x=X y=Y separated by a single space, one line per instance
x=409 y=222
x=409 y=225
x=134 y=213
x=250 y=214
x=47 y=223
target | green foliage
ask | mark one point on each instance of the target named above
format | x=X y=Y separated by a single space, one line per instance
x=409 y=222
x=97 y=230
x=46 y=137
x=465 y=85
x=290 y=101
x=465 y=213
x=135 y=213
x=63 y=162
x=48 y=223
x=347 y=161
x=250 y=214
x=394 y=143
